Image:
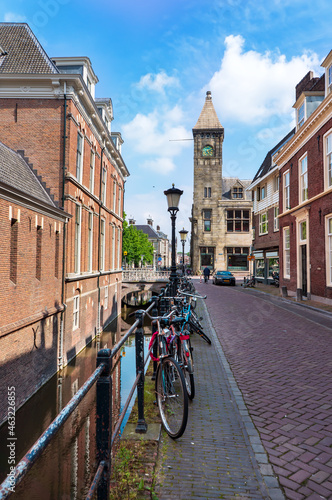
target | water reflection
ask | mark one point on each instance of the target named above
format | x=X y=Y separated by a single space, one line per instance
x=67 y=466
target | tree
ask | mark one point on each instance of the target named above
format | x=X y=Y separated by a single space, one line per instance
x=136 y=244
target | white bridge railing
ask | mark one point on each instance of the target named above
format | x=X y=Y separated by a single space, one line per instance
x=144 y=275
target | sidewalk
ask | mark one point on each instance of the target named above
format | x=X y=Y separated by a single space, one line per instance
x=220 y=454
x=280 y=353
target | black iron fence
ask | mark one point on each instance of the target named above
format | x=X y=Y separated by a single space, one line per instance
x=104 y=437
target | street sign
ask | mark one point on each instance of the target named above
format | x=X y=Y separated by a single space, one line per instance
x=251 y=257
x=159 y=259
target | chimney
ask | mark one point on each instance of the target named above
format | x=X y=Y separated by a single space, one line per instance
x=132 y=222
x=158 y=228
x=149 y=222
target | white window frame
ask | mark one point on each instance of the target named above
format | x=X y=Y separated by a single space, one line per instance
x=102 y=245
x=119 y=202
x=92 y=170
x=78 y=237
x=286 y=252
x=261 y=223
x=113 y=247
x=114 y=196
x=328 y=159
x=303 y=178
x=301 y=119
x=103 y=185
x=118 y=245
x=276 y=183
x=329 y=76
x=275 y=219
x=286 y=190
x=79 y=157
x=90 y=241
x=328 y=246
x=76 y=312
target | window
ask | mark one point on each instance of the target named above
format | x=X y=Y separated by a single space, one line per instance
x=263 y=192
x=258 y=194
x=76 y=312
x=276 y=183
x=119 y=201
x=237 y=221
x=303 y=231
x=119 y=249
x=102 y=245
x=79 y=157
x=237 y=258
x=39 y=252
x=207 y=192
x=263 y=223
x=329 y=251
x=286 y=191
x=300 y=116
x=275 y=218
x=114 y=195
x=113 y=247
x=286 y=253
x=77 y=249
x=303 y=175
x=329 y=72
x=207 y=215
x=237 y=192
x=13 y=250
x=56 y=255
x=103 y=185
x=90 y=241
x=328 y=159
x=92 y=170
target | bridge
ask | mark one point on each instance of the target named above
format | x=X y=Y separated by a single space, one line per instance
x=134 y=280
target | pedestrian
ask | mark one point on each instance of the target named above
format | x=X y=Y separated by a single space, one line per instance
x=206 y=274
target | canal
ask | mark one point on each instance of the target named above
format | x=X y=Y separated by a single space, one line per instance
x=67 y=466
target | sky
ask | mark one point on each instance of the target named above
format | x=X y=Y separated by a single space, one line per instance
x=156 y=59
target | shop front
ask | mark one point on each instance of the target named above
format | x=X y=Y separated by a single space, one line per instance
x=266 y=263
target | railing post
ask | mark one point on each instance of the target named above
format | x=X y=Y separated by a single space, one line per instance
x=154 y=325
x=104 y=422
x=139 y=345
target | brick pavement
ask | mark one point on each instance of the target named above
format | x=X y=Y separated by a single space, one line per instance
x=281 y=360
x=220 y=454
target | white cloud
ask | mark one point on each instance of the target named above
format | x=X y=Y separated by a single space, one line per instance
x=250 y=87
x=158 y=136
x=157 y=82
x=11 y=17
x=161 y=165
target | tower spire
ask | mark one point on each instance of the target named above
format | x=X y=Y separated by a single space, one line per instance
x=208 y=118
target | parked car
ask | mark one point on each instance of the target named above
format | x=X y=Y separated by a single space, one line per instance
x=223 y=278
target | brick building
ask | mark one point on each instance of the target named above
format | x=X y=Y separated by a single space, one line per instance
x=50 y=114
x=265 y=190
x=305 y=200
x=221 y=233
x=31 y=302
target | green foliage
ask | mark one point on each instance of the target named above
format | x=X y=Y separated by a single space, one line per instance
x=137 y=246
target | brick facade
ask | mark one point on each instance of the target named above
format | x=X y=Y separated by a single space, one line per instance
x=42 y=119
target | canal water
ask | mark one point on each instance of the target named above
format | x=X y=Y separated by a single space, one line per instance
x=67 y=466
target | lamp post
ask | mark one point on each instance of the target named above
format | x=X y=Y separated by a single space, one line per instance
x=183 y=235
x=173 y=198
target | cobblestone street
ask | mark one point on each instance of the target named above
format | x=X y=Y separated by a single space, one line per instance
x=260 y=425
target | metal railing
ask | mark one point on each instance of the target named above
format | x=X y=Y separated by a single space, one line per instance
x=104 y=437
x=144 y=275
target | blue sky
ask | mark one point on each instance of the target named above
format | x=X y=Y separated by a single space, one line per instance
x=156 y=59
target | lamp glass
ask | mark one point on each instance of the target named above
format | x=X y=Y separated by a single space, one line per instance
x=183 y=234
x=173 y=197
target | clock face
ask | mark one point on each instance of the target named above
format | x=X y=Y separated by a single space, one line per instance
x=207 y=151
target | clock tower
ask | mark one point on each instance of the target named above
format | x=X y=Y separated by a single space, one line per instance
x=208 y=141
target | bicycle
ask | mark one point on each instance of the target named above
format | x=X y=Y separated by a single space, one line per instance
x=249 y=283
x=192 y=320
x=170 y=385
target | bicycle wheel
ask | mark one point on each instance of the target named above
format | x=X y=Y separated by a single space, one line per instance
x=172 y=397
x=194 y=328
x=186 y=362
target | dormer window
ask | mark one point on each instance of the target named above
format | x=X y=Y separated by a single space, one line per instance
x=300 y=116
x=237 y=192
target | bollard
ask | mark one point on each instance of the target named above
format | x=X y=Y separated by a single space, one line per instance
x=284 y=291
x=139 y=346
x=104 y=421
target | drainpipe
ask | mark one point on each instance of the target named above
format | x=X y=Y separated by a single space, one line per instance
x=62 y=318
x=98 y=278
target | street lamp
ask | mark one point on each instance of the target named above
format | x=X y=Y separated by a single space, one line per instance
x=173 y=198
x=183 y=235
